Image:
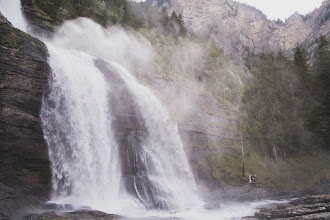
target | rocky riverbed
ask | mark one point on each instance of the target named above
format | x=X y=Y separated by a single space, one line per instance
x=309 y=207
x=77 y=215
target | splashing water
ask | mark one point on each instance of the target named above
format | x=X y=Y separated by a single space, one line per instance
x=77 y=126
x=77 y=122
x=82 y=146
x=168 y=166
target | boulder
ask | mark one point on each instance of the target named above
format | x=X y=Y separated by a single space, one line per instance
x=309 y=207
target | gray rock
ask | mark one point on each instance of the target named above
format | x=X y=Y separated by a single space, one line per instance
x=24 y=163
x=242 y=29
x=310 y=207
x=76 y=215
x=39 y=22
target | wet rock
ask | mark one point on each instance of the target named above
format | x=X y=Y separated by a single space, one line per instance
x=76 y=215
x=212 y=206
x=24 y=164
x=90 y=215
x=55 y=207
x=310 y=207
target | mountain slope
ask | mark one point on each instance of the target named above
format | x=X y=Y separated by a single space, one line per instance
x=241 y=29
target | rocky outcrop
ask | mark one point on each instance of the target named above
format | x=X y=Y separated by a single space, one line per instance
x=311 y=207
x=39 y=22
x=77 y=215
x=242 y=29
x=24 y=163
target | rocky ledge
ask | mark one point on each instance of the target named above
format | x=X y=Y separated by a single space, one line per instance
x=76 y=215
x=309 y=207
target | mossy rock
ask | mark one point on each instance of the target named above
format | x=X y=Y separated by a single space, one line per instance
x=9 y=39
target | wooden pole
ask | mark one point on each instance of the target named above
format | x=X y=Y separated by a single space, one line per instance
x=242 y=144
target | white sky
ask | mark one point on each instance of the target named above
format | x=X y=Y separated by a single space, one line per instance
x=283 y=8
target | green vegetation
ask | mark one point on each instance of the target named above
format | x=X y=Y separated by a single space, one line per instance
x=104 y=12
x=111 y=12
x=275 y=104
x=292 y=174
x=8 y=38
x=286 y=103
x=320 y=123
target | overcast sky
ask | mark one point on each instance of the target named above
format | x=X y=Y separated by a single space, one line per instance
x=283 y=8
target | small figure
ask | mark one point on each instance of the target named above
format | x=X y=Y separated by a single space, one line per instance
x=252 y=178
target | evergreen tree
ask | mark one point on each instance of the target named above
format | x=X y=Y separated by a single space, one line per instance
x=183 y=30
x=301 y=62
x=321 y=122
x=178 y=21
x=275 y=102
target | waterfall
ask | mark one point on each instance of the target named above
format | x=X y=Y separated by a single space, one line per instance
x=83 y=149
x=11 y=9
x=77 y=127
x=168 y=168
x=87 y=160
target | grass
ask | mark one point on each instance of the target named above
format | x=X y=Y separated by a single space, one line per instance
x=296 y=173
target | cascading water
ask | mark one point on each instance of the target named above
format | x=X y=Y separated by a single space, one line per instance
x=168 y=170
x=82 y=147
x=78 y=126
x=77 y=123
x=12 y=11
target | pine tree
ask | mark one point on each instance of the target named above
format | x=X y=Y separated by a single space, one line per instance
x=321 y=122
x=301 y=62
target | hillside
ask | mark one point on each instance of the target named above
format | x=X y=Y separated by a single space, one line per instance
x=242 y=29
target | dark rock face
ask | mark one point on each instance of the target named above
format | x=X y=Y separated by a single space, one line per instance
x=311 y=207
x=77 y=215
x=24 y=163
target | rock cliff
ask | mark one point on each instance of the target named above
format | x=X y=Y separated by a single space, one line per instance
x=242 y=29
x=24 y=163
x=39 y=22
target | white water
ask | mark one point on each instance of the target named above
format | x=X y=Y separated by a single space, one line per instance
x=163 y=146
x=77 y=126
x=11 y=9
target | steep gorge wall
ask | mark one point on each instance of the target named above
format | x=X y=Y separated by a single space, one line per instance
x=242 y=29
x=24 y=164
